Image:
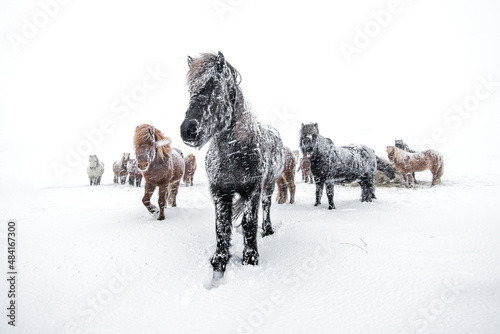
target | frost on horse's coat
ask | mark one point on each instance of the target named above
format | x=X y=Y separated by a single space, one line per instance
x=333 y=164
x=95 y=170
x=244 y=160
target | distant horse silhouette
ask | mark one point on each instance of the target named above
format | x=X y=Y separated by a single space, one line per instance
x=305 y=168
x=399 y=143
x=189 y=169
x=95 y=170
x=244 y=157
x=332 y=164
x=286 y=181
x=161 y=166
x=120 y=169
x=134 y=173
x=407 y=163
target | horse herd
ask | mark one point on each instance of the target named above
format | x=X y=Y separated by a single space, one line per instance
x=246 y=159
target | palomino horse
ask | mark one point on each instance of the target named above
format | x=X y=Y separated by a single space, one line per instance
x=189 y=169
x=286 y=181
x=120 y=169
x=95 y=170
x=408 y=163
x=161 y=166
x=244 y=157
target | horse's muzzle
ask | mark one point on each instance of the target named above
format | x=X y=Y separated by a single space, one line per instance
x=189 y=132
x=143 y=166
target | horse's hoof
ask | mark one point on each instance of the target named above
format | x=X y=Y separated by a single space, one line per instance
x=331 y=207
x=316 y=204
x=267 y=231
x=161 y=218
x=250 y=257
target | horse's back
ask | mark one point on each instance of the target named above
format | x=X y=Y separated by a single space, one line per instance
x=273 y=153
x=177 y=165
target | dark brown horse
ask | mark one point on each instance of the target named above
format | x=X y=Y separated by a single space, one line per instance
x=120 y=169
x=134 y=173
x=407 y=163
x=305 y=167
x=189 y=169
x=286 y=181
x=161 y=166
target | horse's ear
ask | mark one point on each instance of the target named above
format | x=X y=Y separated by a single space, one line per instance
x=190 y=61
x=302 y=125
x=220 y=61
x=316 y=126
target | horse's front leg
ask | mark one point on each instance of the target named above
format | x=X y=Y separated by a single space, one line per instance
x=249 y=224
x=320 y=183
x=223 y=226
x=146 y=199
x=267 y=228
x=162 y=200
x=329 y=193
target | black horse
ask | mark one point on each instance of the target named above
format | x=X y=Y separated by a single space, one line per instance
x=332 y=164
x=399 y=143
x=244 y=159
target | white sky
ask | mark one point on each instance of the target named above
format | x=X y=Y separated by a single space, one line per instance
x=66 y=78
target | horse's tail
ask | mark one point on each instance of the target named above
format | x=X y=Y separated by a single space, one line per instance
x=386 y=167
x=238 y=208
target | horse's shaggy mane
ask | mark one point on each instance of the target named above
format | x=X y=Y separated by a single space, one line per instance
x=397 y=154
x=210 y=66
x=144 y=136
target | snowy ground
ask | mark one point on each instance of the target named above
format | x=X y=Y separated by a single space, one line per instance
x=425 y=260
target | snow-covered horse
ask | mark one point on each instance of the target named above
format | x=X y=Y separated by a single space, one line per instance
x=244 y=157
x=333 y=164
x=120 y=169
x=134 y=173
x=305 y=168
x=161 y=165
x=95 y=170
x=399 y=143
x=286 y=181
x=189 y=169
x=407 y=163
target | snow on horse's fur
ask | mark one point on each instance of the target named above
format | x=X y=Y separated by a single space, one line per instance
x=189 y=169
x=95 y=170
x=161 y=166
x=333 y=164
x=407 y=163
x=286 y=181
x=245 y=158
x=120 y=169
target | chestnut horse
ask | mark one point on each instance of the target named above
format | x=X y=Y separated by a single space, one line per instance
x=161 y=166
x=120 y=169
x=305 y=167
x=407 y=163
x=286 y=181
x=189 y=169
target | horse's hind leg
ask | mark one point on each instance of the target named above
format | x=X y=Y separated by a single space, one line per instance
x=98 y=182
x=173 y=189
x=282 y=190
x=267 y=228
x=367 y=189
x=249 y=223
x=223 y=224
x=290 y=182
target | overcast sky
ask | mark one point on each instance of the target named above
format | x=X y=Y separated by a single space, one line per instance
x=366 y=71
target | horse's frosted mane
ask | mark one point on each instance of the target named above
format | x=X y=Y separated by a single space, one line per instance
x=399 y=154
x=206 y=67
x=143 y=137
